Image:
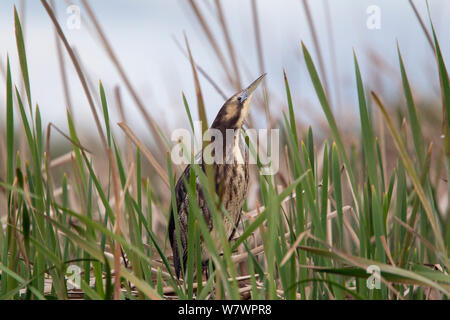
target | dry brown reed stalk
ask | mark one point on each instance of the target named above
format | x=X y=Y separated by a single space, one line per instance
x=334 y=64
x=262 y=68
x=422 y=24
x=78 y=69
x=86 y=23
x=128 y=146
x=91 y=84
x=312 y=28
x=130 y=134
x=62 y=68
x=226 y=34
x=202 y=71
x=257 y=28
x=198 y=90
x=415 y=234
x=153 y=126
x=206 y=29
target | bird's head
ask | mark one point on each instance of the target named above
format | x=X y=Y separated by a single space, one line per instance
x=235 y=110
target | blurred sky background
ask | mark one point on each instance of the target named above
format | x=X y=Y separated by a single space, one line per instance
x=141 y=33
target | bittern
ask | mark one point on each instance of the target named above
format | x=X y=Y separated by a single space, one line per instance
x=231 y=179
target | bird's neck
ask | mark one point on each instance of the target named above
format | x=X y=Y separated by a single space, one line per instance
x=234 y=150
x=231 y=147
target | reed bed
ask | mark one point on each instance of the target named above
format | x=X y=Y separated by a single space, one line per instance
x=341 y=206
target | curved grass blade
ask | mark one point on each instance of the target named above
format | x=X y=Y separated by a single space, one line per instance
x=364 y=263
x=416 y=182
x=332 y=123
x=333 y=283
x=24 y=283
x=22 y=56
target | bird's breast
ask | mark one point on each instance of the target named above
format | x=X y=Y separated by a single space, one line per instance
x=232 y=182
x=231 y=178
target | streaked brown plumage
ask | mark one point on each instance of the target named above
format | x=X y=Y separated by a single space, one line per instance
x=231 y=178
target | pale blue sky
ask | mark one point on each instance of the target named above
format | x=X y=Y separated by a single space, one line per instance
x=141 y=34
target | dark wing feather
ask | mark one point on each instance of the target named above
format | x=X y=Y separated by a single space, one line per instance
x=181 y=202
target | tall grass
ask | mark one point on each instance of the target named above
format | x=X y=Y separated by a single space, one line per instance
x=318 y=225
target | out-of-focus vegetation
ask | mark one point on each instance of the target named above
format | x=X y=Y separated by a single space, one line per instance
x=346 y=197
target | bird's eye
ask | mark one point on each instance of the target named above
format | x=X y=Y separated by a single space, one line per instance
x=239 y=99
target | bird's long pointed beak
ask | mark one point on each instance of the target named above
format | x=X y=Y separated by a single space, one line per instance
x=251 y=88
